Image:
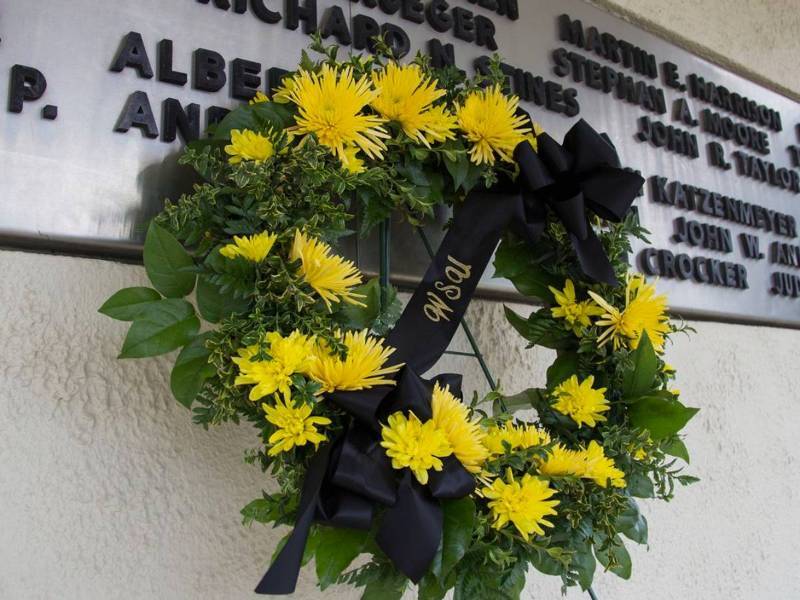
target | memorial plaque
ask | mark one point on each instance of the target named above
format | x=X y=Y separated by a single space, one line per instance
x=101 y=95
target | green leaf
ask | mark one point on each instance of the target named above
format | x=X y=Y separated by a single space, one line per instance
x=191 y=370
x=524 y=400
x=620 y=556
x=513 y=581
x=214 y=305
x=514 y=261
x=256 y=117
x=584 y=565
x=263 y=510
x=564 y=367
x=661 y=416
x=336 y=549
x=167 y=263
x=639 y=485
x=540 y=330
x=164 y=326
x=362 y=317
x=374 y=315
x=430 y=588
x=456 y=532
x=641 y=378
x=390 y=585
x=458 y=168
x=128 y=304
x=517 y=322
x=545 y=563
x=632 y=524
x=677 y=448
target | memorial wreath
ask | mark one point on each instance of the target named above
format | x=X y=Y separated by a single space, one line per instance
x=369 y=456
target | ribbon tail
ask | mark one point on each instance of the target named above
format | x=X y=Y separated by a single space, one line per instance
x=281 y=578
x=460 y=261
x=593 y=259
x=412 y=529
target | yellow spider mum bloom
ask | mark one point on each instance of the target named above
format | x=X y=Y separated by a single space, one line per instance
x=259 y=98
x=406 y=97
x=668 y=369
x=415 y=445
x=580 y=401
x=248 y=145
x=354 y=163
x=575 y=314
x=289 y=355
x=518 y=437
x=329 y=106
x=561 y=461
x=295 y=352
x=282 y=94
x=364 y=366
x=488 y=119
x=296 y=426
x=600 y=468
x=254 y=248
x=644 y=312
x=452 y=417
x=525 y=503
x=331 y=276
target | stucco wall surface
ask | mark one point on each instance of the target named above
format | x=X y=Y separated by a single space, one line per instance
x=108 y=491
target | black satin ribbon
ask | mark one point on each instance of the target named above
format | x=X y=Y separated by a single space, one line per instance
x=582 y=175
x=348 y=478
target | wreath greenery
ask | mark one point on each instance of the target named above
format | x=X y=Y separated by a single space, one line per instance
x=287 y=322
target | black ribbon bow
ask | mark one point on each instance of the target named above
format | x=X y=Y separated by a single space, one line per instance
x=348 y=478
x=584 y=174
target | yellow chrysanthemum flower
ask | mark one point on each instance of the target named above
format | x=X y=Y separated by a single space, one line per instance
x=600 y=468
x=561 y=461
x=518 y=437
x=249 y=145
x=644 y=312
x=259 y=98
x=288 y=355
x=580 y=401
x=414 y=445
x=283 y=93
x=296 y=426
x=329 y=106
x=364 y=366
x=406 y=97
x=489 y=121
x=525 y=503
x=254 y=248
x=452 y=416
x=331 y=276
x=668 y=369
x=296 y=352
x=354 y=163
x=576 y=314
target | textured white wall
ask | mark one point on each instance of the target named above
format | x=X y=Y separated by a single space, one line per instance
x=108 y=491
